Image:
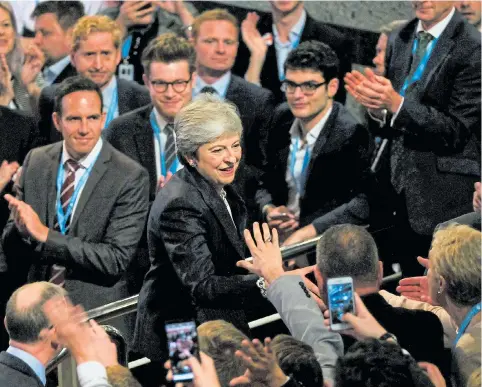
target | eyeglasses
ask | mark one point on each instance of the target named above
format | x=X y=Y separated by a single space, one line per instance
x=161 y=86
x=306 y=88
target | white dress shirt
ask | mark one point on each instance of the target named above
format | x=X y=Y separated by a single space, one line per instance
x=221 y=85
x=108 y=95
x=161 y=122
x=52 y=72
x=306 y=140
x=85 y=163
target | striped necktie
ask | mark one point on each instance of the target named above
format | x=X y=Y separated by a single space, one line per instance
x=170 y=148
x=57 y=275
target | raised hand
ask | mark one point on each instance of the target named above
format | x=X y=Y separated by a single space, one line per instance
x=261 y=363
x=416 y=288
x=477 y=197
x=34 y=61
x=7 y=171
x=6 y=88
x=132 y=13
x=264 y=248
x=251 y=36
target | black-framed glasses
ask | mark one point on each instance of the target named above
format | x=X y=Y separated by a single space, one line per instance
x=306 y=88
x=161 y=86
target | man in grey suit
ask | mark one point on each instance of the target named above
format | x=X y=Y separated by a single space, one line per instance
x=291 y=297
x=81 y=205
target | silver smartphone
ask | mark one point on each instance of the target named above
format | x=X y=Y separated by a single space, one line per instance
x=341 y=300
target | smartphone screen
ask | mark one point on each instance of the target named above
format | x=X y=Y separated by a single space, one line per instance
x=341 y=300
x=182 y=342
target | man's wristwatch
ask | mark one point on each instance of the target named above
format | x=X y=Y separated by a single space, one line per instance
x=388 y=336
x=261 y=283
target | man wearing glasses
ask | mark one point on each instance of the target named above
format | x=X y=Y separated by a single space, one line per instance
x=317 y=151
x=147 y=134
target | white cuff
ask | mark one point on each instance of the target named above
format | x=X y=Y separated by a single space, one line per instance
x=381 y=119
x=396 y=113
x=92 y=373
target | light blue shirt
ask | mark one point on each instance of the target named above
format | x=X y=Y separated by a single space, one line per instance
x=307 y=141
x=31 y=361
x=53 y=71
x=221 y=85
x=108 y=94
x=283 y=49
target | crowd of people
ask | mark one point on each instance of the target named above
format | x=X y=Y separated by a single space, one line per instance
x=150 y=148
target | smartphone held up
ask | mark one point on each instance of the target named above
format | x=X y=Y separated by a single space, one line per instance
x=341 y=300
x=182 y=344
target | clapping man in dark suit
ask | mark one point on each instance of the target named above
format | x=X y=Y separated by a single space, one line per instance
x=96 y=52
x=81 y=205
x=276 y=35
x=317 y=154
x=429 y=102
x=215 y=37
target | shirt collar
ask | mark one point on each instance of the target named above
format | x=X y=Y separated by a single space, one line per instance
x=108 y=92
x=296 y=30
x=31 y=361
x=221 y=85
x=438 y=28
x=311 y=137
x=160 y=120
x=58 y=67
x=86 y=161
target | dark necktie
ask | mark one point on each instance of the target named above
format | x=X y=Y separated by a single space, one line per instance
x=70 y=167
x=208 y=89
x=396 y=159
x=170 y=148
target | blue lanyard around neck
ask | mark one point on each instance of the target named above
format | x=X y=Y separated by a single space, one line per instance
x=417 y=75
x=126 y=46
x=475 y=309
x=112 y=108
x=62 y=217
x=299 y=183
x=157 y=133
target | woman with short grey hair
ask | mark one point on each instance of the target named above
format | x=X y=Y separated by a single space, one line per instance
x=195 y=231
x=202 y=121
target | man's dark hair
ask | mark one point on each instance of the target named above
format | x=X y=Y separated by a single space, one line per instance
x=348 y=250
x=71 y=85
x=67 y=12
x=24 y=324
x=168 y=48
x=374 y=363
x=298 y=359
x=316 y=56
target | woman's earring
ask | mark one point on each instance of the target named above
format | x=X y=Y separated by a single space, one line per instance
x=192 y=163
x=439 y=291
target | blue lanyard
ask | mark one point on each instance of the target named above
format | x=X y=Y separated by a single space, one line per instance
x=421 y=67
x=112 y=108
x=294 y=44
x=126 y=47
x=475 y=309
x=299 y=183
x=157 y=134
x=62 y=217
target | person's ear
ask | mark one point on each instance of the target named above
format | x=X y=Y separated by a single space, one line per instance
x=380 y=273
x=442 y=285
x=332 y=87
x=319 y=278
x=56 y=118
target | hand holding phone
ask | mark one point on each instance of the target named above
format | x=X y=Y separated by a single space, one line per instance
x=340 y=301
x=182 y=343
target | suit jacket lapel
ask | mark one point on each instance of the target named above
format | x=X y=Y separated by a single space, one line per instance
x=441 y=51
x=51 y=179
x=323 y=138
x=122 y=97
x=214 y=201
x=402 y=55
x=92 y=181
x=144 y=142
